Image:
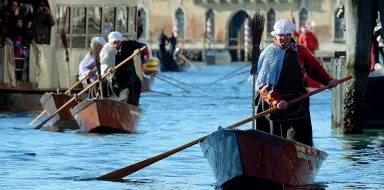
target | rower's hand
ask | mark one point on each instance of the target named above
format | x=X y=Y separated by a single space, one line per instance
x=136 y=52
x=333 y=83
x=282 y=105
x=111 y=70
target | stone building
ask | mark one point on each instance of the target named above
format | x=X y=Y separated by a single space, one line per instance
x=227 y=21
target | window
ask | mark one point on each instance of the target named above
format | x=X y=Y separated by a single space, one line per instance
x=271 y=18
x=78 y=41
x=179 y=19
x=303 y=16
x=78 y=27
x=78 y=20
x=122 y=19
x=109 y=19
x=94 y=20
x=338 y=27
x=83 y=23
x=132 y=20
x=210 y=18
x=143 y=22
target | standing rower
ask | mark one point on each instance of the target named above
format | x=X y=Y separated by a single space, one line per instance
x=281 y=68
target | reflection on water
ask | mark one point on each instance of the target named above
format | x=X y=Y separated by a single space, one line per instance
x=363 y=148
x=37 y=159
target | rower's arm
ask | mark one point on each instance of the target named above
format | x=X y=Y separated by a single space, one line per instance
x=107 y=59
x=271 y=99
x=86 y=65
x=312 y=66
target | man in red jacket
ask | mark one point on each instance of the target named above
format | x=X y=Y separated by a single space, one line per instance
x=281 y=68
x=309 y=40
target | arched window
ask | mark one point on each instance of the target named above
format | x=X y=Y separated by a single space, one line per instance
x=271 y=18
x=338 y=28
x=210 y=17
x=303 y=16
x=143 y=22
x=180 y=20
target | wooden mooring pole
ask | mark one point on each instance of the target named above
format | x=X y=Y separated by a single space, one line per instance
x=359 y=29
x=338 y=71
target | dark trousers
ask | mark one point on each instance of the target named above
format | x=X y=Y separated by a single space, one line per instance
x=299 y=130
x=130 y=93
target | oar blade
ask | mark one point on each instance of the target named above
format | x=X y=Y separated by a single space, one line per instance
x=123 y=172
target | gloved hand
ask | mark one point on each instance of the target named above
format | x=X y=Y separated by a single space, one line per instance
x=253 y=69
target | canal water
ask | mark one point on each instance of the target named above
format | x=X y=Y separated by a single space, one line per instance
x=37 y=159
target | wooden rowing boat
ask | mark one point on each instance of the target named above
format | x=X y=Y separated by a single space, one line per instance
x=170 y=64
x=64 y=119
x=106 y=116
x=24 y=97
x=253 y=157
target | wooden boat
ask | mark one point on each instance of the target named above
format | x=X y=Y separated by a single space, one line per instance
x=169 y=64
x=106 y=116
x=256 y=158
x=51 y=102
x=23 y=97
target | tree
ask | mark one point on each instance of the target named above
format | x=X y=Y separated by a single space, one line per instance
x=359 y=32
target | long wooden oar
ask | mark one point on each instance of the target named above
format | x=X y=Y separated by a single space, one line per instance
x=189 y=62
x=121 y=173
x=66 y=92
x=89 y=86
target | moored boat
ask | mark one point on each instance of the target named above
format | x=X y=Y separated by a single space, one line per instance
x=374 y=112
x=253 y=157
x=51 y=102
x=106 y=116
x=149 y=70
x=23 y=97
x=169 y=63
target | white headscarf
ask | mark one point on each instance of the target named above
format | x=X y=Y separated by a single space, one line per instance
x=97 y=40
x=115 y=36
x=283 y=26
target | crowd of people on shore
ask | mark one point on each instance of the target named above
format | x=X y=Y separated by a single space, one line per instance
x=22 y=23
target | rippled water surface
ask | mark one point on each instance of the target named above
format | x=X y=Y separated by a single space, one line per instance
x=37 y=159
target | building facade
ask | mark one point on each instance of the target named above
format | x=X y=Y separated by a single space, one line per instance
x=219 y=24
